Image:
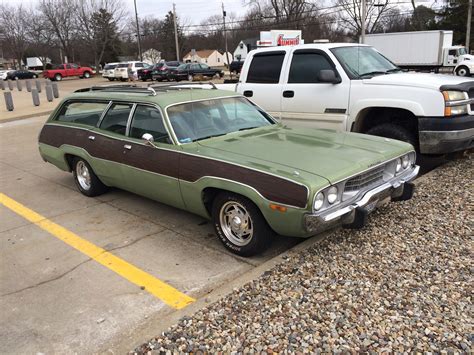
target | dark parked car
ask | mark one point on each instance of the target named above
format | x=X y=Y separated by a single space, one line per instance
x=236 y=66
x=20 y=74
x=162 y=70
x=190 y=70
x=144 y=73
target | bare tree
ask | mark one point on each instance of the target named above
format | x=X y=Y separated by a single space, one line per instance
x=61 y=16
x=350 y=15
x=14 y=29
x=41 y=37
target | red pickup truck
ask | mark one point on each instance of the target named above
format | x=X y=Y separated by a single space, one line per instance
x=61 y=71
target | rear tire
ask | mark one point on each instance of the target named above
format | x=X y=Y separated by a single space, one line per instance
x=86 y=180
x=240 y=225
x=58 y=77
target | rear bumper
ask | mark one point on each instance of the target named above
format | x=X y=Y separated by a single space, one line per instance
x=440 y=135
x=355 y=214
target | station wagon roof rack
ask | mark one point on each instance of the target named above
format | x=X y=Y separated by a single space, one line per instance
x=151 y=89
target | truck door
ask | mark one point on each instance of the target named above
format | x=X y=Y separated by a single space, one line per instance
x=68 y=70
x=263 y=83
x=308 y=102
x=452 y=57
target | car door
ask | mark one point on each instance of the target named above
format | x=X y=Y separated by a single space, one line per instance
x=263 y=81
x=107 y=144
x=205 y=70
x=195 y=69
x=151 y=169
x=306 y=101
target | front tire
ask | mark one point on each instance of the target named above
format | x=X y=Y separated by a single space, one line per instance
x=87 y=75
x=111 y=79
x=390 y=130
x=58 y=77
x=463 y=71
x=240 y=225
x=86 y=180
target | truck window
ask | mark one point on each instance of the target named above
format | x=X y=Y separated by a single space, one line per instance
x=266 y=68
x=452 y=52
x=305 y=67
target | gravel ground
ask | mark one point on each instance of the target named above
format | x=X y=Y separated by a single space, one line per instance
x=404 y=283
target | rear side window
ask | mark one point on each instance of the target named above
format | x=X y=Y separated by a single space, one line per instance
x=305 y=67
x=116 y=118
x=266 y=68
x=87 y=113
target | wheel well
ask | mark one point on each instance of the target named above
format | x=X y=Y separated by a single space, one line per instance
x=69 y=159
x=208 y=195
x=371 y=117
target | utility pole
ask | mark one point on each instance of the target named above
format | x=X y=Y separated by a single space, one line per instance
x=468 y=26
x=362 y=20
x=225 y=39
x=138 y=32
x=175 y=32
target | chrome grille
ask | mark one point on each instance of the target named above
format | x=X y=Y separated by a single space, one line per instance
x=365 y=180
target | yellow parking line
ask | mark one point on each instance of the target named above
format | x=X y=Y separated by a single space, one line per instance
x=171 y=296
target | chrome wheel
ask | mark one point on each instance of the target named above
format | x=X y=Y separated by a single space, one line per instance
x=236 y=223
x=83 y=175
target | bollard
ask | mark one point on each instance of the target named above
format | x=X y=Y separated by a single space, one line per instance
x=49 y=93
x=19 y=85
x=8 y=100
x=55 y=90
x=38 y=85
x=35 y=96
x=3 y=84
x=28 y=85
x=10 y=85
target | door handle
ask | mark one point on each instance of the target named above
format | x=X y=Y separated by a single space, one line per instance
x=91 y=138
x=127 y=146
x=288 y=93
x=248 y=93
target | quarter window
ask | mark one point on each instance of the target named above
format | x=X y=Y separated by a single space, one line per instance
x=87 y=113
x=115 y=120
x=305 y=67
x=148 y=119
x=266 y=68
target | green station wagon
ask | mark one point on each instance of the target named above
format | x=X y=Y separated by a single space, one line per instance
x=218 y=155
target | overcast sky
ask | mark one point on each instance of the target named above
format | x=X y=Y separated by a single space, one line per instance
x=192 y=11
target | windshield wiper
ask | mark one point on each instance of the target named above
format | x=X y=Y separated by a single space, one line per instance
x=211 y=136
x=394 y=70
x=372 y=73
x=246 y=128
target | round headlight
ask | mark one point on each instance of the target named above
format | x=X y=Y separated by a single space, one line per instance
x=399 y=165
x=332 y=194
x=405 y=161
x=318 y=201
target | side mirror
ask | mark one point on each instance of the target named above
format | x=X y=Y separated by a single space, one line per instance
x=149 y=138
x=328 y=76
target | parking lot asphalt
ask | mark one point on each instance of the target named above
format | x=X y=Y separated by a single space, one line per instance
x=78 y=272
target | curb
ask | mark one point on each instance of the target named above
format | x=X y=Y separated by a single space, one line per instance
x=39 y=114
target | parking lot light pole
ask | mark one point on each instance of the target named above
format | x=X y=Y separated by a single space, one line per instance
x=175 y=32
x=138 y=32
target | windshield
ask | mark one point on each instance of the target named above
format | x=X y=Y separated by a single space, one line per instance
x=361 y=61
x=462 y=51
x=200 y=120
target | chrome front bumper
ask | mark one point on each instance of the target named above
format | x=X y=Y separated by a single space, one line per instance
x=346 y=214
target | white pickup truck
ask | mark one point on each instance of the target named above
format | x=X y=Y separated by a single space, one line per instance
x=351 y=87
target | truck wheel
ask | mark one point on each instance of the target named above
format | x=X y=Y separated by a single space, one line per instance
x=87 y=75
x=390 y=130
x=87 y=182
x=111 y=79
x=58 y=77
x=463 y=71
x=240 y=225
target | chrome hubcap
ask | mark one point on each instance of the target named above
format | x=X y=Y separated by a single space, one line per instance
x=236 y=223
x=83 y=175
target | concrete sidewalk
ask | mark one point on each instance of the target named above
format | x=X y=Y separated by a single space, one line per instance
x=23 y=102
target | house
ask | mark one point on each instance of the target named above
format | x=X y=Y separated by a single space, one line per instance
x=244 y=47
x=211 y=57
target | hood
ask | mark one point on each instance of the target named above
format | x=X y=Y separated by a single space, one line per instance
x=422 y=80
x=327 y=154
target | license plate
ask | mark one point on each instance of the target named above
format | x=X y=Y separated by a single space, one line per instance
x=371 y=206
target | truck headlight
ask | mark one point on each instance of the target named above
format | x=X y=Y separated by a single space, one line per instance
x=453 y=95
x=318 y=201
x=332 y=194
x=455 y=103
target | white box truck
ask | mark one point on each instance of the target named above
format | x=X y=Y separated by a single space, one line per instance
x=423 y=50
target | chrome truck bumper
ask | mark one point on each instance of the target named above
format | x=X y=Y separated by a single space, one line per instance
x=354 y=215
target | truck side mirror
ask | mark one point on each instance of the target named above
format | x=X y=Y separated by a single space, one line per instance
x=328 y=76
